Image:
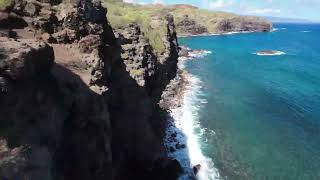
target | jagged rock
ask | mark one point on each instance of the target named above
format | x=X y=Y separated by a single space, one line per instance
x=238 y=24
x=65 y=36
x=174 y=135
x=138 y=55
x=12 y=34
x=47 y=24
x=3 y=85
x=11 y=21
x=52 y=40
x=89 y=43
x=190 y=26
x=52 y=115
x=180 y=146
x=26 y=8
x=24 y=58
x=52 y=124
x=196 y=169
x=172 y=149
x=31 y=9
x=172 y=169
x=94 y=11
x=52 y=2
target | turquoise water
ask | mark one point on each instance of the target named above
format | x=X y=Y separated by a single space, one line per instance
x=261 y=118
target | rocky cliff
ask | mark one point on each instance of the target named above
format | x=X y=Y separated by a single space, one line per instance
x=79 y=100
x=189 y=20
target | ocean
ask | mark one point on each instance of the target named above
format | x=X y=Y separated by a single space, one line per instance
x=255 y=117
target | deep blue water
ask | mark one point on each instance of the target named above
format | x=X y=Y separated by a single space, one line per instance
x=262 y=116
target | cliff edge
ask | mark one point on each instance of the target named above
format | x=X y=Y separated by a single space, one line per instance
x=79 y=100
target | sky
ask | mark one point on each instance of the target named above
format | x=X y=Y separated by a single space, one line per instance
x=299 y=9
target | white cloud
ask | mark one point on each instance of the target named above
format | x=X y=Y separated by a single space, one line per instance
x=264 y=11
x=129 y=1
x=158 y=2
x=217 y=4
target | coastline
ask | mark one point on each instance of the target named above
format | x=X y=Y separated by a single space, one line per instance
x=180 y=140
x=219 y=34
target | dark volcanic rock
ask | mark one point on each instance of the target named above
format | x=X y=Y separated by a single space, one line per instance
x=24 y=58
x=180 y=146
x=190 y=26
x=52 y=124
x=89 y=43
x=56 y=125
x=11 y=21
x=196 y=169
x=244 y=23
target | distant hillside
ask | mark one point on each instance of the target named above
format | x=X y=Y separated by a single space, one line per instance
x=287 y=20
x=189 y=20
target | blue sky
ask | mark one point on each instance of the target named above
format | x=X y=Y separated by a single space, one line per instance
x=302 y=9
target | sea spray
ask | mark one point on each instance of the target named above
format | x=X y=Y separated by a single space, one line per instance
x=184 y=128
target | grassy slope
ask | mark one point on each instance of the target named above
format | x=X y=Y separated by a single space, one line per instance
x=121 y=14
x=4 y=3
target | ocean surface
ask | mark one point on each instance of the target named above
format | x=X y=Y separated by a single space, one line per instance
x=255 y=117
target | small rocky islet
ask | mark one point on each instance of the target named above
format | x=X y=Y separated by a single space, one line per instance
x=269 y=53
x=79 y=99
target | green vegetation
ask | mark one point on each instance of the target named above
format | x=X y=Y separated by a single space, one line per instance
x=137 y=72
x=4 y=3
x=120 y=14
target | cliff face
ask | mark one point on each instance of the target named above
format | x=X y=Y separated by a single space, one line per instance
x=78 y=100
x=190 y=26
x=243 y=23
x=189 y=20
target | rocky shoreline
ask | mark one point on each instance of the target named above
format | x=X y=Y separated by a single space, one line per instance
x=172 y=100
x=81 y=100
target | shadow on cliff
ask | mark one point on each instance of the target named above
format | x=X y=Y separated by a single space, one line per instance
x=138 y=126
x=85 y=152
x=62 y=122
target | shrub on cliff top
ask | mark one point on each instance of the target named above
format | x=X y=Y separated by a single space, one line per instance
x=121 y=14
x=4 y=3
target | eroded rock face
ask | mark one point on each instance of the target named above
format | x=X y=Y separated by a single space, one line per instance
x=24 y=58
x=133 y=96
x=52 y=125
x=190 y=26
x=56 y=126
x=11 y=20
x=239 y=24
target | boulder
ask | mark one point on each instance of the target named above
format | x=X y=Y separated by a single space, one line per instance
x=89 y=43
x=11 y=21
x=196 y=169
x=172 y=149
x=31 y=9
x=24 y=58
x=65 y=36
x=26 y=8
x=180 y=146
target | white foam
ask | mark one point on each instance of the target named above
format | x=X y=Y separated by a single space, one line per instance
x=305 y=31
x=219 y=34
x=199 y=55
x=186 y=124
x=274 y=29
